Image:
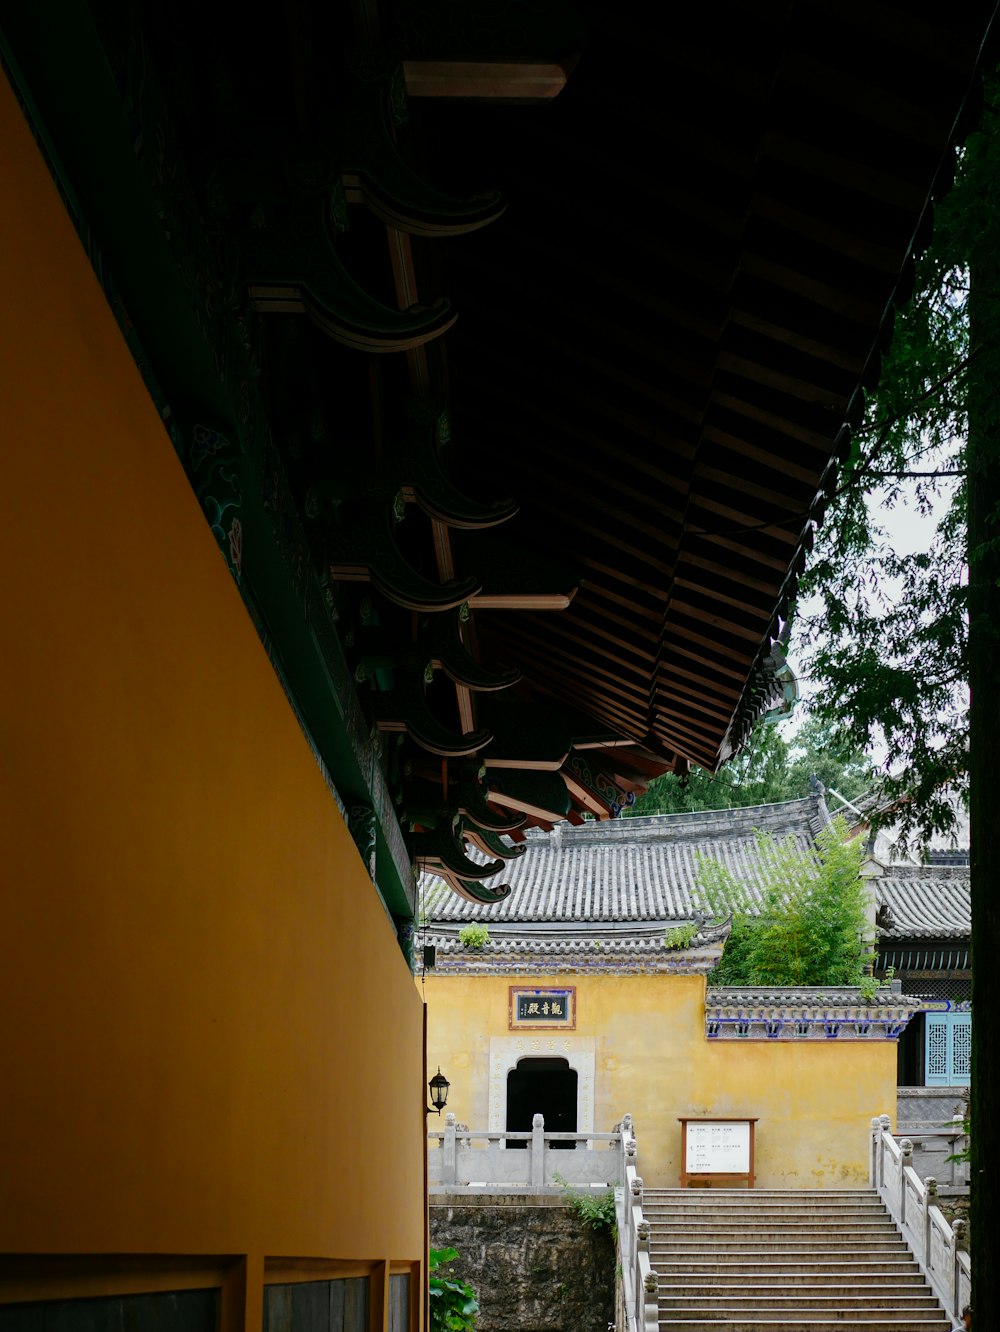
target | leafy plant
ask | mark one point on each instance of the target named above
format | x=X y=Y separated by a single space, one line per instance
x=453 y=1302
x=596 y=1210
x=474 y=935
x=681 y=936
x=871 y=985
x=808 y=922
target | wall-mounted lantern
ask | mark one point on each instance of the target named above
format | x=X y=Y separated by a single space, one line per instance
x=438 y=1085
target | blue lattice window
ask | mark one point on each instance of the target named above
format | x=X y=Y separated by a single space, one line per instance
x=947 y=1049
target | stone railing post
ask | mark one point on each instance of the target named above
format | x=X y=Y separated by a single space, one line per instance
x=873 y=1151
x=634 y=1199
x=651 y=1302
x=930 y=1200
x=885 y=1123
x=449 y=1171
x=905 y=1161
x=959 y=1243
x=537 y=1151
x=958 y=1124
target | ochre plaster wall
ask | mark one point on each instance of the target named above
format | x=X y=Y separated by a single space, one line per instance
x=211 y=1042
x=814 y=1100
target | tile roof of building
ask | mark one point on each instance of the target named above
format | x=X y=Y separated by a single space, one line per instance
x=927 y=901
x=631 y=869
x=527 y=947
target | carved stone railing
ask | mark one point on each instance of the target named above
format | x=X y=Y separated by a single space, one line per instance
x=936 y=1151
x=939 y=1248
x=636 y=1303
x=461 y=1160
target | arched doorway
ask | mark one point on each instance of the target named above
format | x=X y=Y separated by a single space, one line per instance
x=546 y=1087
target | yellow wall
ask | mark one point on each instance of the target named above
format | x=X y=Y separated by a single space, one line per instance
x=211 y=1043
x=814 y=1099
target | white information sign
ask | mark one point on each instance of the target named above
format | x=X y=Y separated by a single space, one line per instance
x=717 y=1148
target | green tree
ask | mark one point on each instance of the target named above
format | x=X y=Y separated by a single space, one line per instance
x=771 y=768
x=886 y=648
x=912 y=647
x=809 y=924
x=983 y=471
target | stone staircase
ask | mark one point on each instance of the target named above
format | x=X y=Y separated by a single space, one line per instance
x=784 y=1260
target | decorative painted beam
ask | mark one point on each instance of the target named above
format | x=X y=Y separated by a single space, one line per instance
x=364 y=549
x=472 y=891
x=525 y=600
x=441 y=636
x=542 y=795
x=491 y=845
x=525 y=736
x=405 y=708
x=376 y=174
x=594 y=788
x=440 y=848
x=293 y=268
x=417 y=459
x=490 y=81
x=471 y=801
x=522 y=579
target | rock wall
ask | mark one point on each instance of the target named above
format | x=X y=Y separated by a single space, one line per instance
x=534 y=1264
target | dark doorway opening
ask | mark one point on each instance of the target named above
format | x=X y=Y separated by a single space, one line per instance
x=544 y=1087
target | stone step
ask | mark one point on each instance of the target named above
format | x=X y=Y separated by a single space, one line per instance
x=849 y=1243
x=784 y=1261
x=810 y=1225
x=765 y=1215
x=680 y=1286
x=721 y=1198
x=751 y=1202
x=877 y=1279
x=787 y=1217
x=730 y=1222
x=884 y=1231
x=799 y=1300
x=773 y=1207
x=786 y=1267
x=885 y=1323
x=755 y=1196
x=845 y=1238
x=760 y=1214
x=807 y=1317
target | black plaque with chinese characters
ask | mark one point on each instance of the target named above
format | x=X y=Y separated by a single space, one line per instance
x=542 y=1008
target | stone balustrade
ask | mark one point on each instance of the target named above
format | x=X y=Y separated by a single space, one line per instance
x=940 y=1248
x=637 y=1306
x=468 y=1161
x=935 y=1152
x=462 y=1160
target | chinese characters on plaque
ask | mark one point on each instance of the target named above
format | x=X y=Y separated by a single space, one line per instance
x=542 y=1009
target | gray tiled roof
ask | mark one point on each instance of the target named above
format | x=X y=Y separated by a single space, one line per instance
x=763 y=998
x=927 y=901
x=530 y=947
x=631 y=869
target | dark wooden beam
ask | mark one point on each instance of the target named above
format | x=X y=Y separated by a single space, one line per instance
x=491 y=81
